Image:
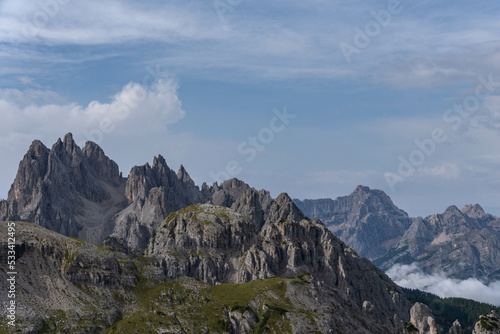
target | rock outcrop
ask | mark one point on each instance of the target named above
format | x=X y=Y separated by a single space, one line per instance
x=489 y=324
x=456 y=328
x=421 y=317
x=152 y=192
x=367 y=219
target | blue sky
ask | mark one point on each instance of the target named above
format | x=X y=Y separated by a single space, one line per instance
x=195 y=80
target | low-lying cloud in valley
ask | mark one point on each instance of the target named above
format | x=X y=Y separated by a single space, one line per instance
x=412 y=276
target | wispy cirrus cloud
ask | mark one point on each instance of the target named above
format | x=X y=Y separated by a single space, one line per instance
x=282 y=40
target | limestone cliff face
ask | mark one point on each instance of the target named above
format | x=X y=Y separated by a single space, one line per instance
x=68 y=190
x=463 y=243
x=156 y=191
x=153 y=192
x=423 y=320
x=216 y=244
x=456 y=328
x=367 y=219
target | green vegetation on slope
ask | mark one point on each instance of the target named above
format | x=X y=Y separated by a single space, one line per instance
x=189 y=305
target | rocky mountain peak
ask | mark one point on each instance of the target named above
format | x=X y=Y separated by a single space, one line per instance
x=362 y=189
x=103 y=166
x=36 y=149
x=31 y=170
x=159 y=163
x=183 y=175
x=284 y=208
x=66 y=189
x=474 y=211
x=453 y=210
x=367 y=219
x=66 y=147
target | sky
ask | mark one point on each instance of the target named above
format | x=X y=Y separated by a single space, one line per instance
x=309 y=98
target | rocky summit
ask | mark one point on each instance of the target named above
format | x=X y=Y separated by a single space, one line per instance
x=367 y=219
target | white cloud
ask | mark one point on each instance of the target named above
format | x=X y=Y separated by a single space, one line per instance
x=95 y=22
x=411 y=276
x=134 y=110
x=446 y=171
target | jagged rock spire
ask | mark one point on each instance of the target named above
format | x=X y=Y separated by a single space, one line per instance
x=183 y=175
x=284 y=208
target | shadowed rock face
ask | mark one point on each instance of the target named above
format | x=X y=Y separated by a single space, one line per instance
x=62 y=188
x=366 y=219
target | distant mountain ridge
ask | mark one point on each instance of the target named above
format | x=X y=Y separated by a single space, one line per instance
x=367 y=219
x=462 y=243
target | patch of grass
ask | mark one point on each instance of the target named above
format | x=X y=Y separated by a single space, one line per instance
x=241 y=294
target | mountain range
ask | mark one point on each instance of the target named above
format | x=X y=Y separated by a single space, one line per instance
x=98 y=252
x=462 y=243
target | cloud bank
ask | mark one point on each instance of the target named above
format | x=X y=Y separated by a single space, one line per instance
x=135 y=109
x=411 y=276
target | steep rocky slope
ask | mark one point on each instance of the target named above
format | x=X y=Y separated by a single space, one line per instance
x=367 y=219
x=310 y=281
x=463 y=243
x=216 y=244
